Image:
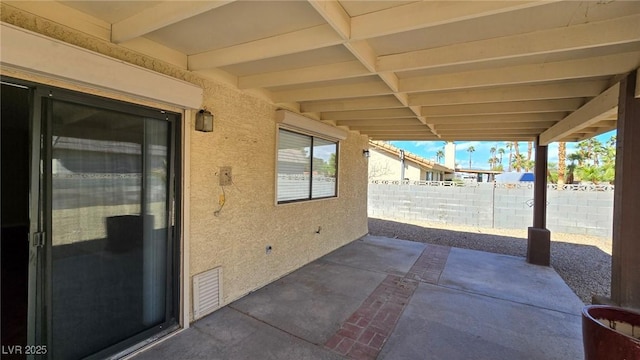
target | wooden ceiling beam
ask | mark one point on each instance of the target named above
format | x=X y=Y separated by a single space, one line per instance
x=425 y=137
x=298 y=41
x=158 y=16
x=421 y=15
x=596 y=110
x=515 y=107
x=574 y=89
x=334 y=14
x=391 y=129
x=523 y=132
x=332 y=92
x=497 y=127
x=367 y=114
x=526 y=74
x=364 y=103
x=497 y=119
x=343 y=70
x=488 y=137
x=380 y=122
x=578 y=37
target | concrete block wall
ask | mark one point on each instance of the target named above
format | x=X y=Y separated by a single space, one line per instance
x=580 y=212
x=574 y=212
x=460 y=205
x=513 y=207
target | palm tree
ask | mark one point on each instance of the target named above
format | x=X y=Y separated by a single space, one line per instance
x=591 y=173
x=491 y=162
x=576 y=157
x=519 y=162
x=439 y=155
x=509 y=146
x=562 y=158
x=529 y=150
x=470 y=149
x=571 y=168
x=528 y=165
x=493 y=151
x=596 y=149
x=500 y=153
x=585 y=149
x=609 y=159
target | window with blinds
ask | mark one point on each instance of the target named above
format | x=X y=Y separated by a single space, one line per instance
x=307 y=167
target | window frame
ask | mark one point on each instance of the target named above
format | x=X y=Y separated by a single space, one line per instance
x=312 y=136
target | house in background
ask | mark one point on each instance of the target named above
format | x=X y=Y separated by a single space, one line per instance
x=387 y=162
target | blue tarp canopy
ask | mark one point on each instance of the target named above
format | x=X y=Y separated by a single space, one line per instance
x=514 y=177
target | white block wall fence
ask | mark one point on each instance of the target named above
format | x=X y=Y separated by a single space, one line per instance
x=574 y=209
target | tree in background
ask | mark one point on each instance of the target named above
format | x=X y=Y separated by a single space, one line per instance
x=562 y=159
x=529 y=165
x=501 y=154
x=510 y=147
x=439 y=155
x=593 y=162
x=552 y=173
x=590 y=173
x=493 y=160
x=519 y=162
x=576 y=158
x=609 y=160
x=470 y=149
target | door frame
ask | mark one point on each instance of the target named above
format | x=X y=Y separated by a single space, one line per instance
x=39 y=265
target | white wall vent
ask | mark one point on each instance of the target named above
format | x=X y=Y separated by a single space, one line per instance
x=207 y=292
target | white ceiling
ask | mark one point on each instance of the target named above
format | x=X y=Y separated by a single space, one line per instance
x=426 y=70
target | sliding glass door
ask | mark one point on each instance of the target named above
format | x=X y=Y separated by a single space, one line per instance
x=110 y=255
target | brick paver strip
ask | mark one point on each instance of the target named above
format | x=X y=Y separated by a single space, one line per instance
x=365 y=332
x=430 y=264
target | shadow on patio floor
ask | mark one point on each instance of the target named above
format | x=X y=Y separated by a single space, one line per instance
x=383 y=298
x=585 y=268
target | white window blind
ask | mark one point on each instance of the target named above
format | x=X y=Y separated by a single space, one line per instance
x=307 y=167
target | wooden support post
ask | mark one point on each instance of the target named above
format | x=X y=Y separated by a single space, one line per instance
x=625 y=266
x=539 y=239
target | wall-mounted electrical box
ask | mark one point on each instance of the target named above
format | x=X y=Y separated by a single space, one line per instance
x=225 y=176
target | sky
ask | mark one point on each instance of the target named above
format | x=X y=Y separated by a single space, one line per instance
x=480 y=157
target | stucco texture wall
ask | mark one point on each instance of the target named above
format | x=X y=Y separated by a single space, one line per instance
x=383 y=166
x=244 y=138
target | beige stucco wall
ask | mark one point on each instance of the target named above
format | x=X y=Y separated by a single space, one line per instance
x=384 y=166
x=244 y=138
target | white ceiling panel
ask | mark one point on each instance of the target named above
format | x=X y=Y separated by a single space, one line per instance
x=522 y=67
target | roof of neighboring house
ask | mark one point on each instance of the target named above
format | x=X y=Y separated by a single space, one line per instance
x=420 y=161
x=479 y=171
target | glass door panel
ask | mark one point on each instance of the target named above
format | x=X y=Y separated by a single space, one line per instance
x=110 y=251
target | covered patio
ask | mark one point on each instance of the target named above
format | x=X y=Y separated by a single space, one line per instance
x=344 y=72
x=394 y=299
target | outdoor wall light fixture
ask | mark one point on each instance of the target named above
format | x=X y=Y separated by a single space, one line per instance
x=204 y=121
x=365 y=153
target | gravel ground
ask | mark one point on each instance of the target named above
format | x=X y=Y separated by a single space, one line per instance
x=584 y=262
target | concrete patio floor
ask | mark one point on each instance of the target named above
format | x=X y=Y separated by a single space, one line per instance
x=394 y=299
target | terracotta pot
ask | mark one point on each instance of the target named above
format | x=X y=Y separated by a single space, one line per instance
x=610 y=333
